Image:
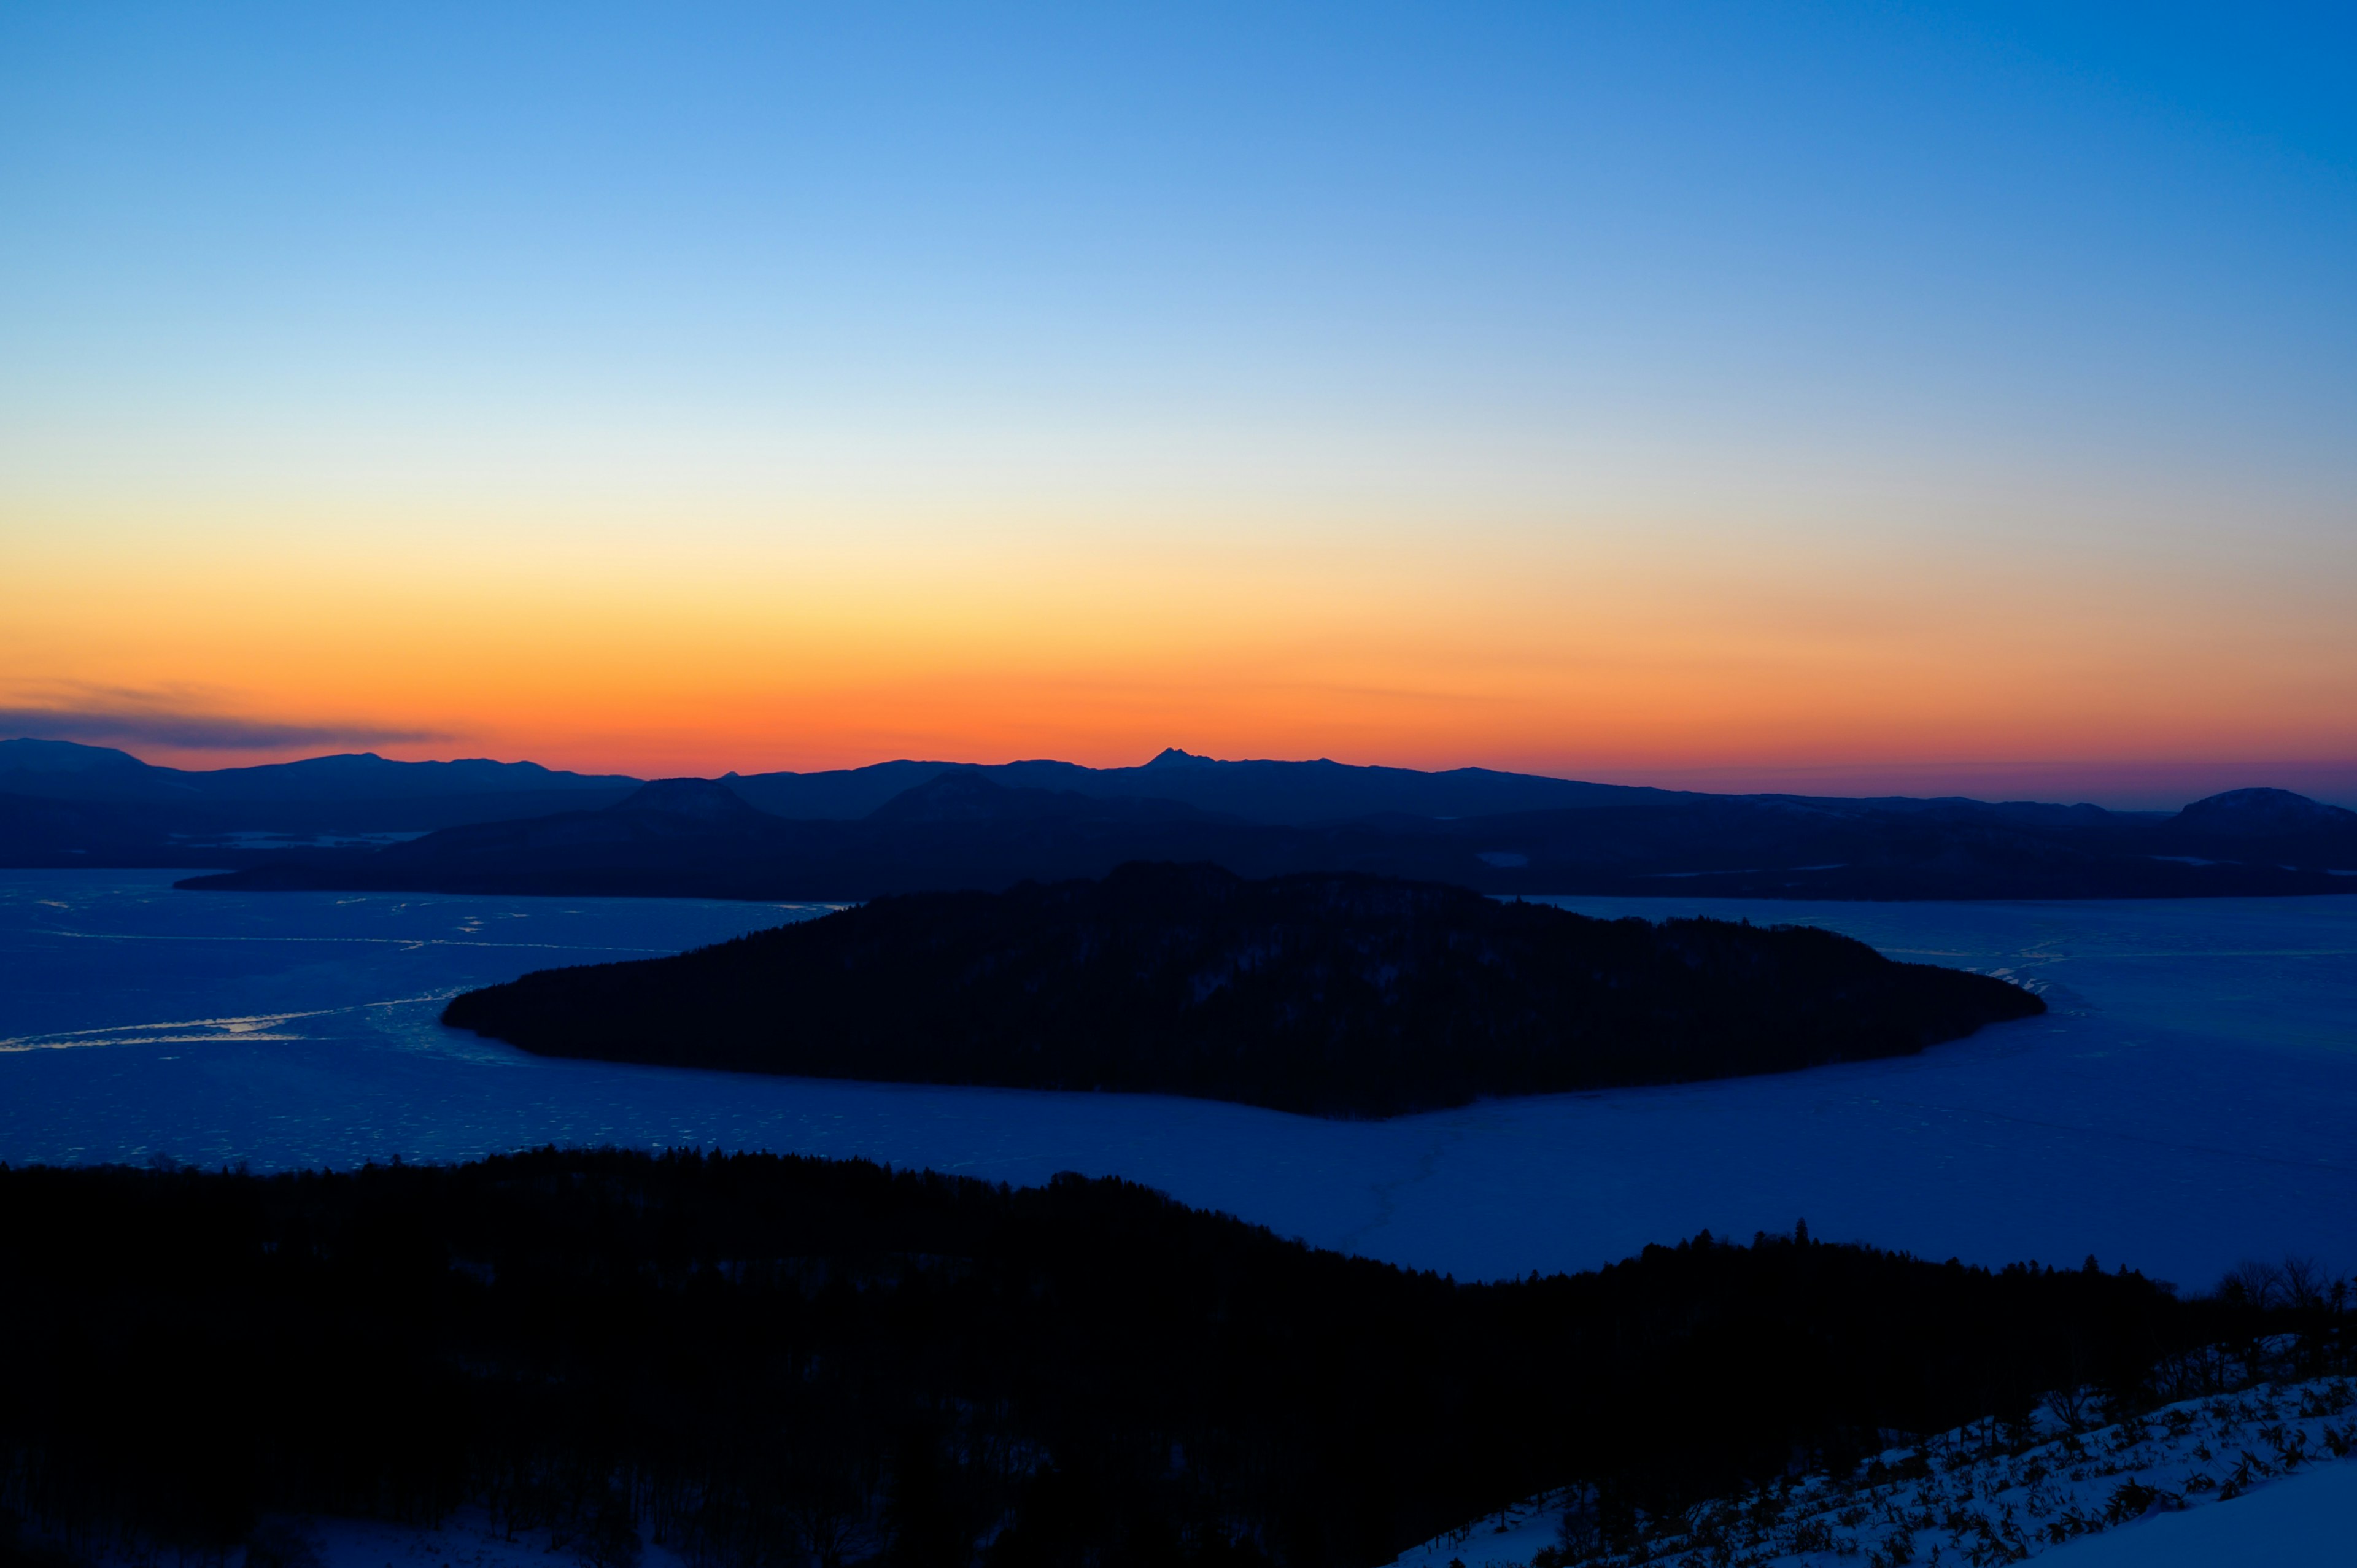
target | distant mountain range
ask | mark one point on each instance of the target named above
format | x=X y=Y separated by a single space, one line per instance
x=367 y=793
x=482 y=826
x=64 y=803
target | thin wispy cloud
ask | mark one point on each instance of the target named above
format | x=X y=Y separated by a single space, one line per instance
x=181 y=720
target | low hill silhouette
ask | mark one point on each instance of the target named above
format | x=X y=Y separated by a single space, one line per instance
x=63 y=803
x=961 y=829
x=1320 y=993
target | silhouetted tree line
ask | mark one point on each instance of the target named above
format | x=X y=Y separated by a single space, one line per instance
x=1338 y=995
x=770 y=1361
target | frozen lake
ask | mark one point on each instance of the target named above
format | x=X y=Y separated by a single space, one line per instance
x=2191 y=1099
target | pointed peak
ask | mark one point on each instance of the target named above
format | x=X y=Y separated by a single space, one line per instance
x=954 y=795
x=1172 y=757
x=700 y=798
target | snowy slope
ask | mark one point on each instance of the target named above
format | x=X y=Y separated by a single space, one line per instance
x=2305 y=1521
x=470 y=1538
x=2255 y=1478
x=2174 y=1480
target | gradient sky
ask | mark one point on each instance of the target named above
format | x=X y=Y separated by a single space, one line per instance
x=1846 y=397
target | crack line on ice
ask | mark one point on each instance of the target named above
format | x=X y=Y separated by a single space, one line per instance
x=239 y=1027
x=1427 y=1165
x=410 y=942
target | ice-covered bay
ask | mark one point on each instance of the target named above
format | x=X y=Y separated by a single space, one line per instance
x=2191 y=1099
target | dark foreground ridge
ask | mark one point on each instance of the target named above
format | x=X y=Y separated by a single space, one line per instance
x=1333 y=995
x=762 y=1362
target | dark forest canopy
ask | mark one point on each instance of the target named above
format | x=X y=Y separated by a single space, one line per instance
x=763 y=1360
x=1332 y=995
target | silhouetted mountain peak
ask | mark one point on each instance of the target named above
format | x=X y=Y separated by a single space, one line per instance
x=2261 y=813
x=700 y=799
x=1172 y=757
x=963 y=796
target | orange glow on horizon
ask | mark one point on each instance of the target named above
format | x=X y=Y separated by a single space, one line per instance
x=1596 y=652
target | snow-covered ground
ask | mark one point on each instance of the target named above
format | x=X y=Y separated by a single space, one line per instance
x=470 y=1538
x=1512 y=1536
x=2185 y=1105
x=2254 y=1480
x=467 y=1539
x=2308 y=1521
x=2257 y=1476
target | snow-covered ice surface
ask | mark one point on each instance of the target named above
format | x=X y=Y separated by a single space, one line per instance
x=2188 y=1104
x=2254 y=1477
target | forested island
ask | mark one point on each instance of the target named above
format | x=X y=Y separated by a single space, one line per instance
x=761 y=1360
x=1325 y=993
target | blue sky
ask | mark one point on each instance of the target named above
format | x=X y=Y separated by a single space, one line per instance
x=1384 y=190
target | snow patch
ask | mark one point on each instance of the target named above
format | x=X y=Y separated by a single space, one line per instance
x=1993 y=1493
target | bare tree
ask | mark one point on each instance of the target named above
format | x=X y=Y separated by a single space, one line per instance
x=2261 y=1284
x=2304 y=1283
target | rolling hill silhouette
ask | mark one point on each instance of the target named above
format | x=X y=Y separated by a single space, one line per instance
x=962 y=829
